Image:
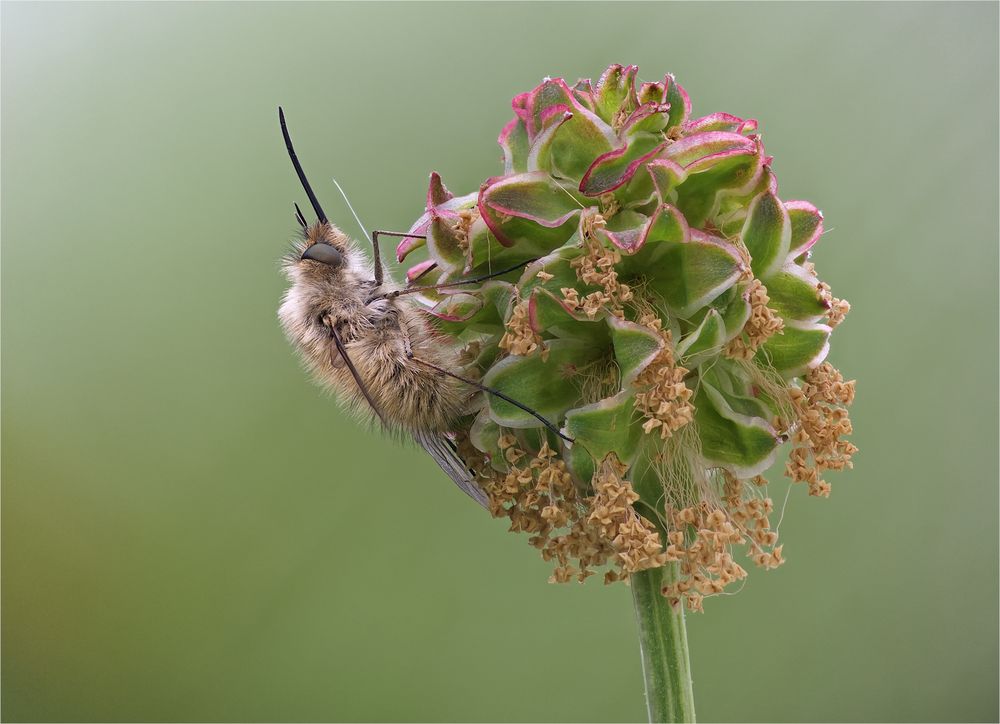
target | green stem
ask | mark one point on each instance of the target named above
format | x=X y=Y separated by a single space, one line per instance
x=663 y=644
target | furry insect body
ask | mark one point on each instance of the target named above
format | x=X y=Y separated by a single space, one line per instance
x=372 y=345
x=383 y=337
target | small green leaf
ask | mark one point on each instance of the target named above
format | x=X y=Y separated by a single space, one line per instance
x=514 y=142
x=653 y=92
x=529 y=209
x=443 y=241
x=807 y=226
x=744 y=445
x=557 y=265
x=497 y=294
x=709 y=336
x=490 y=254
x=800 y=347
x=666 y=226
x=686 y=275
x=721 y=122
x=583 y=91
x=700 y=151
x=624 y=230
x=767 y=234
x=732 y=384
x=667 y=176
x=534 y=196
x=636 y=193
x=485 y=437
x=615 y=168
x=703 y=195
x=601 y=428
x=680 y=104
x=546 y=386
x=794 y=294
x=734 y=307
x=635 y=345
x=615 y=90
x=578 y=142
x=540 y=155
x=647 y=118
x=425 y=275
x=550 y=316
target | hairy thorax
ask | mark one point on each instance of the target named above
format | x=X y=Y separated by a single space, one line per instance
x=386 y=342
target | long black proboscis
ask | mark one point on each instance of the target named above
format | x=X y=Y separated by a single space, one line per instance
x=298 y=168
x=354 y=373
x=495 y=393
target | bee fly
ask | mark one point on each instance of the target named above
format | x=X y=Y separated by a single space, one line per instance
x=362 y=337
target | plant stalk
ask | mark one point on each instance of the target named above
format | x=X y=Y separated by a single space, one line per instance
x=666 y=666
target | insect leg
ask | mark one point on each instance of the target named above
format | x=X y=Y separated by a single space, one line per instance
x=336 y=359
x=457 y=283
x=378 y=255
x=354 y=371
x=495 y=393
x=474 y=280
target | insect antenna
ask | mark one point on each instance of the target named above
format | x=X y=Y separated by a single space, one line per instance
x=298 y=168
x=299 y=217
x=495 y=393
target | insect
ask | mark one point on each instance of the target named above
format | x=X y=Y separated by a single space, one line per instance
x=370 y=342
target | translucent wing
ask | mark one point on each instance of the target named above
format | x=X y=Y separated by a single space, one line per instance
x=437 y=445
x=443 y=451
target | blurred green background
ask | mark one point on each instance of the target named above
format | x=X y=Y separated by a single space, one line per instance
x=191 y=531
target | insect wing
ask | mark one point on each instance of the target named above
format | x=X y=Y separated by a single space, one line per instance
x=443 y=451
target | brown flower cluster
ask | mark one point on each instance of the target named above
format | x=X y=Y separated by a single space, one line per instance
x=597 y=267
x=519 y=338
x=663 y=398
x=583 y=533
x=584 y=528
x=462 y=225
x=580 y=533
x=837 y=309
x=820 y=405
x=762 y=324
x=635 y=541
x=701 y=538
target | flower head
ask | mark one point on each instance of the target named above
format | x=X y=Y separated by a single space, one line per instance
x=663 y=314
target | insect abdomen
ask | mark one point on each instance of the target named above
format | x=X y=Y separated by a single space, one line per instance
x=410 y=394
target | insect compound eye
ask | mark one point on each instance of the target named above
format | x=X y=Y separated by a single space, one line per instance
x=324 y=253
